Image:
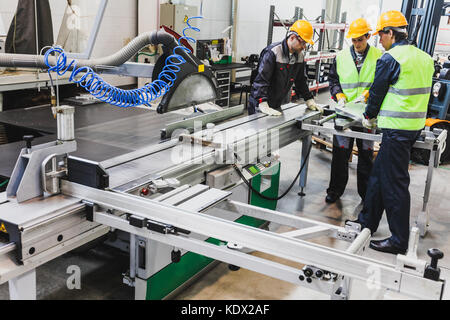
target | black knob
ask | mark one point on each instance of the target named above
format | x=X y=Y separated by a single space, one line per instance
x=232 y=267
x=28 y=140
x=319 y=273
x=175 y=256
x=308 y=272
x=435 y=255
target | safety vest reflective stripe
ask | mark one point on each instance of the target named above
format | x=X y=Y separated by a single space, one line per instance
x=410 y=92
x=402 y=115
x=356 y=85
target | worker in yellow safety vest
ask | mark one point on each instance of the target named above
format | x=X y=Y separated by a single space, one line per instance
x=350 y=78
x=398 y=103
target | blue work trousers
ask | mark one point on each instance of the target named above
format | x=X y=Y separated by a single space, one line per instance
x=342 y=149
x=388 y=186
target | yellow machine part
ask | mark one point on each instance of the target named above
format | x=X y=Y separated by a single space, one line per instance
x=2 y=228
x=441 y=124
x=431 y=122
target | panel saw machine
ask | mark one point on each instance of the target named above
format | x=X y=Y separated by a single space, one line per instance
x=178 y=205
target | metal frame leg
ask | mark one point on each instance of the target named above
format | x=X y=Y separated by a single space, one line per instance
x=140 y=289
x=23 y=287
x=306 y=144
x=423 y=219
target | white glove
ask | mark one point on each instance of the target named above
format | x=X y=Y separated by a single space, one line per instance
x=264 y=108
x=369 y=123
x=341 y=103
x=312 y=105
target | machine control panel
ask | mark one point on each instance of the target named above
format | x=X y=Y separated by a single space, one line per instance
x=253 y=170
x=259 y=167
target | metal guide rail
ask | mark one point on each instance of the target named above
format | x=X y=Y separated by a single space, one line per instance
x=253 y=138
x=114 y=209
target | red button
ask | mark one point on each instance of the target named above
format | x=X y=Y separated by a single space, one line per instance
x=145 y=192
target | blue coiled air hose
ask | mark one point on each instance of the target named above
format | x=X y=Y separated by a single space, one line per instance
x=106 y=92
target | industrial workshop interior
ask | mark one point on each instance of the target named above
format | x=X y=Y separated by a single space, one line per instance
x=224 y=150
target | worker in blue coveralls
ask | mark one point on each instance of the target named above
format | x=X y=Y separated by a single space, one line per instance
x=281 y=65
x=350 y=78
x=397 y=104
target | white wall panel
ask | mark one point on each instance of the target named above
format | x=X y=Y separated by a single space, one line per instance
x=368 y=9
x=253 y=21
x=118 y=27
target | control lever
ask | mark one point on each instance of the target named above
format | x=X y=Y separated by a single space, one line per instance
x=432 y=271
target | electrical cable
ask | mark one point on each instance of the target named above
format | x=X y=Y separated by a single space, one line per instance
x=286 y=192
x=105 y=92
x=145 y=54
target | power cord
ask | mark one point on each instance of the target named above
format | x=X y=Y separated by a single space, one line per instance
x=4 y=183
x=286 y=192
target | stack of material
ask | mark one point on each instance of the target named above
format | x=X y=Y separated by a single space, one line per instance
x=3 y=136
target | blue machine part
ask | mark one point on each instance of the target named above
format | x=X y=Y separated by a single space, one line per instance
x=440 y=99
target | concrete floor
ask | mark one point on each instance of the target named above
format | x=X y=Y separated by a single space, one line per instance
x=102 y=267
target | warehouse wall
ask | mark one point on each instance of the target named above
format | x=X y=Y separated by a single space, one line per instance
x=253 y=21
x=370 y=10
x=121 y=16
x=253 y=18
x=3 y=30
x=443 y=39
x=118 y=27
x=216 y=17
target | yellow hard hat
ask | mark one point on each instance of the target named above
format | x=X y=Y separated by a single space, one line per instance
x=391 y=18
x=358 y=28
x=304 y=29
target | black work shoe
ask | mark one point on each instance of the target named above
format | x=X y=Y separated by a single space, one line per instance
x=387 y=246
x=331 y=198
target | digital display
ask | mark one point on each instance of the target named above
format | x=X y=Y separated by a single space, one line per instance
x=253 y=170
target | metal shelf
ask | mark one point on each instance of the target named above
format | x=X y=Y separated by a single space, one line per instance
x=321 y=56
x=317 y=26
x=330 y=26
x=319 y=86
x=223 y=101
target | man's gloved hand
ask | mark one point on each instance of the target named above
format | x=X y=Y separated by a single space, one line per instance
x=312 y=105
x=363 y=97
x=341 y=100
x=370 y=124
x=264 y=108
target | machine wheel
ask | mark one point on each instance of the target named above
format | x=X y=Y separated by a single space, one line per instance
x=423 y=156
